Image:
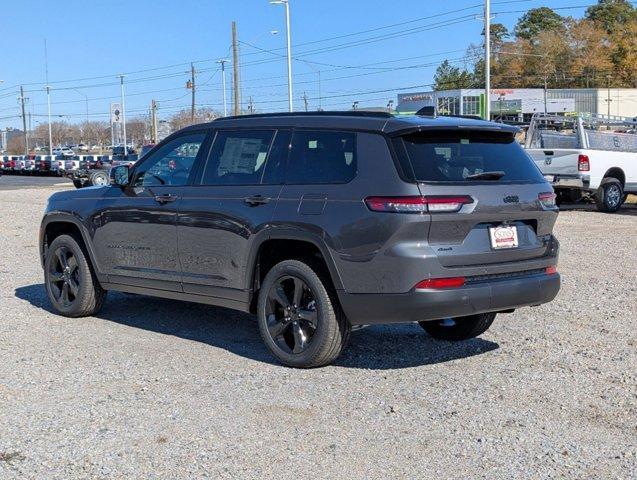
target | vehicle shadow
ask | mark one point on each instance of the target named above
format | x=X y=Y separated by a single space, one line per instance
x=382 y=347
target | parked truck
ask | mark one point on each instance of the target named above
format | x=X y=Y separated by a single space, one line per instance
x=586 y=156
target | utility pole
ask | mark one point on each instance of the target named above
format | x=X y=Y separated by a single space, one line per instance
x=487 y=59
x=192 y=86
x=21 y=98
x=304 y=97
x=153 y=121
x=121 y=78
x=223 y=85
x=235 y=70
x=250 y=105
x=48 y=96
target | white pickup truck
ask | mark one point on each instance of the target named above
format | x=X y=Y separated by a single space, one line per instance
x=588 y=155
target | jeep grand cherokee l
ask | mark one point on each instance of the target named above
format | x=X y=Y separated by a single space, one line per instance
x=316 y=223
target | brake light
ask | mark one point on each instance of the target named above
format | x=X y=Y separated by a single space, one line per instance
x=551 y=270
x=418 y=204
x=453 y=282
x=547 y=199
x=583 y=163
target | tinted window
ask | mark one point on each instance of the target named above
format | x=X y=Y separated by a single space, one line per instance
x=238 y=157
x=322 y=157
x=452 y=156
x=170 y=164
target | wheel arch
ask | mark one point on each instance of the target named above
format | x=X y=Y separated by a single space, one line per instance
x=293 y=243
x=617 y=173
x=60 y=223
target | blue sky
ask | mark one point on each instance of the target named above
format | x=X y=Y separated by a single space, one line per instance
x=89 y=42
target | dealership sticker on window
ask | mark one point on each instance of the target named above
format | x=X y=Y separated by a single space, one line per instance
x=504 y=236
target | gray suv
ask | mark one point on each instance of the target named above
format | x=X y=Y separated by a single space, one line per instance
x=316 y=223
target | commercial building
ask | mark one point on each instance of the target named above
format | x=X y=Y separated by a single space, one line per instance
x=521 y=103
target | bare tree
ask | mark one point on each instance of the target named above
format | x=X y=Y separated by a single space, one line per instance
x=97 y=133
x=137 y=130
x=182 y=119
x=15 y=145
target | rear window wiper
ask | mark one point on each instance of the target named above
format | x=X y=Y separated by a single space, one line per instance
x=495 y=175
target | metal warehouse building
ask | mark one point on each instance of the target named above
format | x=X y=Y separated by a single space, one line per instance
x=521 y=103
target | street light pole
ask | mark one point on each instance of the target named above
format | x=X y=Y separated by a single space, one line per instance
x=487 y=59
x=121 y=79
x=48 y=102
x=287 y=34
x=223 y=85
x=289 y=47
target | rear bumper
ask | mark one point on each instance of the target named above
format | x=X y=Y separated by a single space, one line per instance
x=418 y=305
x=577 y=181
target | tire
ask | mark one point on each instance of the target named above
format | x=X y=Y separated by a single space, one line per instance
x=316 y=318
x=77 y=184
x=462 y=328
x=99 y=177
x=609 y=196
x=78 y=280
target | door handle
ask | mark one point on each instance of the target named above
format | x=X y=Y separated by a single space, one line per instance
x=164 y=199
x=256 y=200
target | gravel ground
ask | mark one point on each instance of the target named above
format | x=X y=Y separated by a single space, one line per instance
x=159 y=389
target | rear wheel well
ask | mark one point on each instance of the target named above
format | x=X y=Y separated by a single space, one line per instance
x=617 y=173
x=275 y=251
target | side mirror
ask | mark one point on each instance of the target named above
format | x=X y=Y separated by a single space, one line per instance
x=119 y=175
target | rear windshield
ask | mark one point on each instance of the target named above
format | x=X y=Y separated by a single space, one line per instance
x=455 y=156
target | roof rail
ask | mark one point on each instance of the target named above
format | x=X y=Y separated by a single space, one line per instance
x=324 y=113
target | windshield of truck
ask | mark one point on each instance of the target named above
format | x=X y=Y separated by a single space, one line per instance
x=465 y=156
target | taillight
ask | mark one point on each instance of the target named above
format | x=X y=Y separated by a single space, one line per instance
x=418 y=204
x=453 y=282
x=551 y=270
x=583 y=163
x=547 y=199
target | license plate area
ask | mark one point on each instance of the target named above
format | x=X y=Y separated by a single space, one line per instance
x=503 y=237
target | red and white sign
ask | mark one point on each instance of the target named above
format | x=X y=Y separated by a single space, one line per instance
x=504 y=236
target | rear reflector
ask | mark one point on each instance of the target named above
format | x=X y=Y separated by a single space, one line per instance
x=418 y=204
x=453 y=282
x=547 y=199
x=583 y=163
x=552 y=270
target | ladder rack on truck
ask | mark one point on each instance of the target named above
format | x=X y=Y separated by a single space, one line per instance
x=586 y=155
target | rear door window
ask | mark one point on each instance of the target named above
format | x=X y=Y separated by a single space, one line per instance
x=321 y=157
x=465 y=156
x=238 y=157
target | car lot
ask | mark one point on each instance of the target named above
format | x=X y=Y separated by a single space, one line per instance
x=152 y=388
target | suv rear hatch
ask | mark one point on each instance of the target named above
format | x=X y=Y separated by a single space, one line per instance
x=508 y=212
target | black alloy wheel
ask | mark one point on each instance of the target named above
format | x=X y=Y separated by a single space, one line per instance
x=70 y=282
x=64 y=277
x=299 y=315
x=291 y=314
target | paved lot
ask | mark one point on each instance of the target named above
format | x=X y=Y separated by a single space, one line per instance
x=158 y=389
x=14 y=182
